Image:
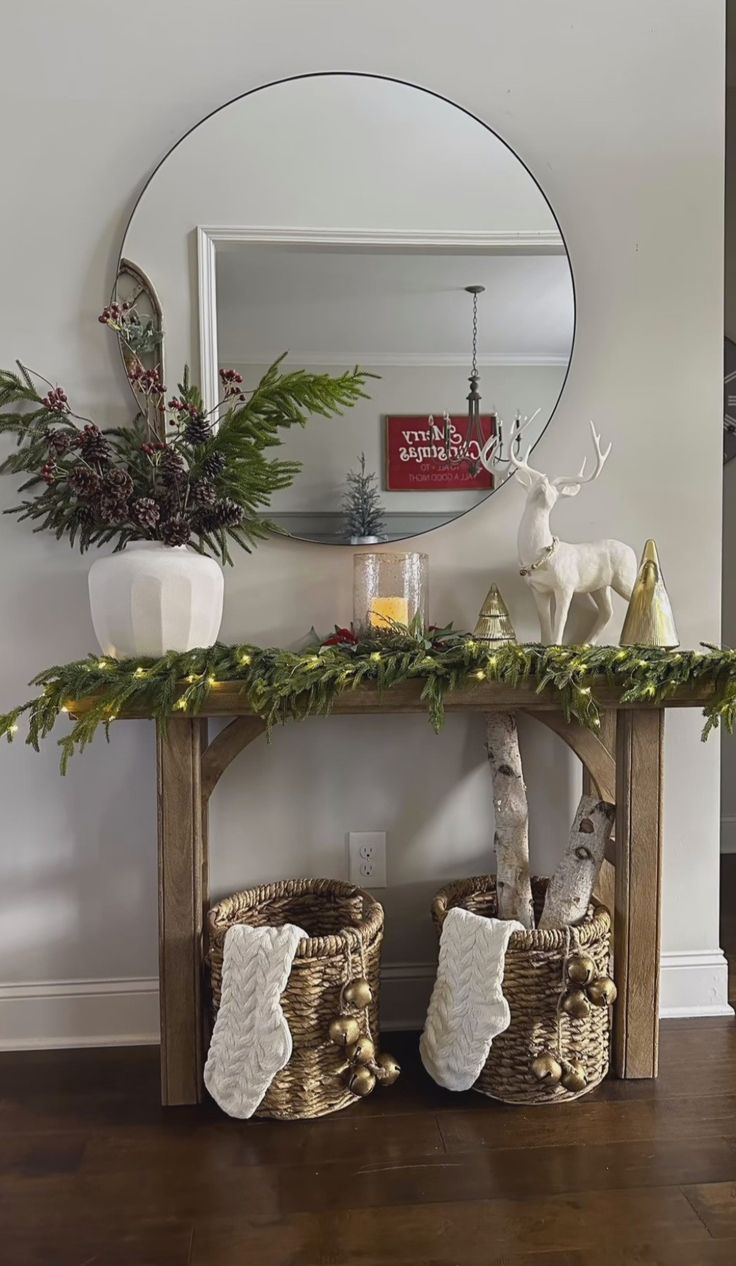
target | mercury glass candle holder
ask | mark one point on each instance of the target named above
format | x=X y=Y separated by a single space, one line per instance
x=389 y=590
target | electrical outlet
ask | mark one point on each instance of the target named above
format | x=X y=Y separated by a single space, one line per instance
x=367 y=858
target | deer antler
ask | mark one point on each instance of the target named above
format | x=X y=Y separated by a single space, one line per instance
x=567 y=481
x=488 y=452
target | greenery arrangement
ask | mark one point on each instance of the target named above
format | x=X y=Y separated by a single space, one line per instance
x=283 y=685
x=178 y=474
x=362 y=504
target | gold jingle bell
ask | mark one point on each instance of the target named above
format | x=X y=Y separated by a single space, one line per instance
x=362 y=1052
x=388 y=1068
x=546 y=1068
x=602 y=992
x=361 y=1081
x=581 y=969
x=575 y=1004
x=574 y=1078
x=344 y=1031
x=358 y=994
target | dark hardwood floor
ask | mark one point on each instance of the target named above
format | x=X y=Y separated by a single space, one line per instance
x=94 y=1173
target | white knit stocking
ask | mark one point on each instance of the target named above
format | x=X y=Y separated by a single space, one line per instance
x=467 y=1008
x=251 y=1041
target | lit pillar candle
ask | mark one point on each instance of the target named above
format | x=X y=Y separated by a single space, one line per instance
x=385 y=612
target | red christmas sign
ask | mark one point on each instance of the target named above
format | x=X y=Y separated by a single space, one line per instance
x=415 y=453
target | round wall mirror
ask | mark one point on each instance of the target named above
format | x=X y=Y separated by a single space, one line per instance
x=350 y=219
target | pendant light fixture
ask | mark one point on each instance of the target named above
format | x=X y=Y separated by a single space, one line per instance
x=476 y=451
x=468 y=451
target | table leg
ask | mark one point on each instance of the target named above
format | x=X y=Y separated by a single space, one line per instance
x=182 y=882
x=638 y=890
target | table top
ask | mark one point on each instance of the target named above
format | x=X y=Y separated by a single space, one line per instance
x=227 y=698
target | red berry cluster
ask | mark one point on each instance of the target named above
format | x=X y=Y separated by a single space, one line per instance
x=146 y=380
x=232 y=382
x=114 y=314
x=48 y=472
x=182 y=407
x=150 y=448
x=56 y=401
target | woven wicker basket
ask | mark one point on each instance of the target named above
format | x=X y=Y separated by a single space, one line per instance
x=345 y=927
x=531 y=984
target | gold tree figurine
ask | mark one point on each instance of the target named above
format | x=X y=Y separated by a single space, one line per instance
x=649 y=620
x=494 y=622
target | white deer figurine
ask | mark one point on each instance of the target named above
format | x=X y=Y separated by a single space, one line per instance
x=555 y=570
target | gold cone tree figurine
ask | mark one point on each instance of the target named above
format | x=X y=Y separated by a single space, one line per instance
x=494 y=622
x=649 y=619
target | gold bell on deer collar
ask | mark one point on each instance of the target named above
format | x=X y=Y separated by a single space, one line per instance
x=344 y=1031
x=358 y=993
x=649 y=620
x=494 y=622
x=389 y=1069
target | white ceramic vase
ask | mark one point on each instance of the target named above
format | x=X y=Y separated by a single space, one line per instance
x=152 y=598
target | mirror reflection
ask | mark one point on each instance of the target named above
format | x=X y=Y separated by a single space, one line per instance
x=348 y=219
x=406 y=316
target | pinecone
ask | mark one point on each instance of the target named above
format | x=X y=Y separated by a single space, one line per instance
x=172 y=467
x=145 y=512
x=213 y=465
x=59 y=442
x=203 y=493
x=223 y=514
x=94 y=446
x=84 y=481
x=112 y=509
x=117 y=482
x=175 y=531
x=196 y=430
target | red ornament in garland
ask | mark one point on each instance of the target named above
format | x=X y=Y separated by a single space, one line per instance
x=341 y=637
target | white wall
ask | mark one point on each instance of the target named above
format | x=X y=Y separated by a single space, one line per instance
x=635 y=175
x=728 y=749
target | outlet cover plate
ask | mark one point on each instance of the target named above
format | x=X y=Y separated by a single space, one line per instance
x=367 y=858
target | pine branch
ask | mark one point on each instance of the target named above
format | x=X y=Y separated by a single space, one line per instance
x=201 y=487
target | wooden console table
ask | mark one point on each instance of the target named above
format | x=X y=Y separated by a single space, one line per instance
x=624 y=764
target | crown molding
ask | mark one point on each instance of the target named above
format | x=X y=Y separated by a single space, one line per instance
x=404 y=360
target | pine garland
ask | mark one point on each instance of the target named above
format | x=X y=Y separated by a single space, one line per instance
x=285 y=685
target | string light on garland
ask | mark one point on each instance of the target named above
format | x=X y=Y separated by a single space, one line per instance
x=281 y=685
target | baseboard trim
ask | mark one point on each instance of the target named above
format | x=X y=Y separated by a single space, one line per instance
x=693 y=983
x=59 y=1014
x=56 y=1015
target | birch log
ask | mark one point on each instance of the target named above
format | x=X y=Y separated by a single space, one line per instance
x=571 y=886
x=511 y=841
